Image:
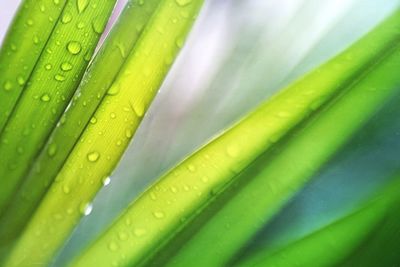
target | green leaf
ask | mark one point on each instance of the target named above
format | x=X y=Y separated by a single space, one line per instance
x=54 y=79
x=340 y=238
x=98 y=78
x=267 y=156
x=103 y=142
x=22 y=47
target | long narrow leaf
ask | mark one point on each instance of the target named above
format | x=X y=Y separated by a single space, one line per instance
x=103 y=142
x=340 y=237
x=96 y=81
x=146 y=234
x=22 y=47
x=53 y=81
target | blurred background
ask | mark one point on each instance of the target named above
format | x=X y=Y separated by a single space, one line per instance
x=239 y=53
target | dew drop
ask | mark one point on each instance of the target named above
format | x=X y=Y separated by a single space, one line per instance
x=128 y=133
x=29 y=22
x=66 y=66
x=45 y=98
x=139 y=232
x=114 y=90
x=48 y=67
x=123 y=236
x=106 y=181
x=74 y=47
x=20 y=80
x=35 y=39
x=93 y=156
x=52 y=150
x=159 y=214
x=113 y=246
x=179 y=42
x=80 y=25
x=67 y=17
x=93 y=120
x=191 y=168
x=85 y=208
x=7 y=86
x=82 y=5
x=66 y=189
x=98 y=25
x=59 y=77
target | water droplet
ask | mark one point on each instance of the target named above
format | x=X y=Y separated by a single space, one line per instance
x=66 y=66
x=67 y=17
x=123 y=236
x=106 y=181
x=93 y=156
x=35 y=39
x=7 y=86
x=74 y=47
x=191 y=168
x=52 y=150
x=66 y=189
x=139 y=232
x=86 y=208
x=114 y=90
x=59 y=77
x=45 y=98
x=98 y=25
x=80 y=25
x=183 y=2
x=113 y=246
x=93 y=120
x=13 y=47
x=48 y=67
x=128 y=133
x=159 y=214
x=56 y=2
x=112 y=115
x=29 y=22
x=82 y=5
x=20 y=80
x=179 y=42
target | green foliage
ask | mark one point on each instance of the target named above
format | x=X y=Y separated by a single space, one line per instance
x=54 y=79
x=97 y=80
x=65 y=124
x=267 y=156
x=115 y=119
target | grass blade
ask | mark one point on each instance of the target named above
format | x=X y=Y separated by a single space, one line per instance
x=340 y=237
x=97 y=80
x=53 y=81
x=22 y=47
x=103 y=142
x=345 y=89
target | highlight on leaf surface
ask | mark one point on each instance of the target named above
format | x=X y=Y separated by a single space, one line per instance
x=204 y=197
